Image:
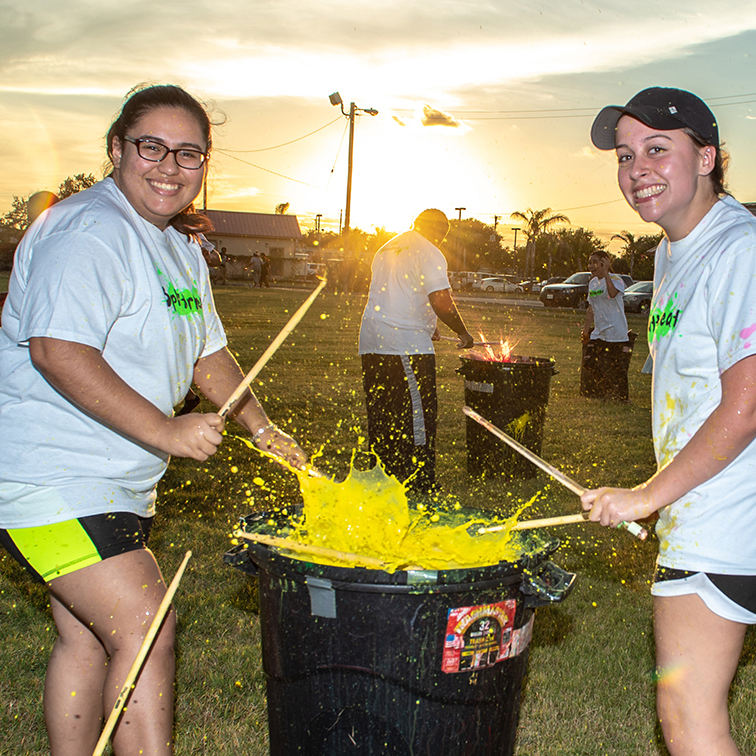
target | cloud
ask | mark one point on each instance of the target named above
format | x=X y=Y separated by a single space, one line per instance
x=587 y=152
x=433 y=117
x=430 y=49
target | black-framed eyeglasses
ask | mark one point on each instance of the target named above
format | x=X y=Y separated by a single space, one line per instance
x=156 y=152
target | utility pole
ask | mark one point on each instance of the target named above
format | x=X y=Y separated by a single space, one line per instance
x=335 y=99
x=348 y=211
x=459 y=210
x=514 y=246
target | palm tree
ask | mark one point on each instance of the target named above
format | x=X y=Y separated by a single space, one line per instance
x=536 y=222
x=630 y=244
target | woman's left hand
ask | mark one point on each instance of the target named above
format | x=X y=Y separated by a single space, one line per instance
x=611 y=506
x=280 y=444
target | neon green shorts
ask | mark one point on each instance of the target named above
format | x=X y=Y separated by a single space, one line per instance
x=49 y=551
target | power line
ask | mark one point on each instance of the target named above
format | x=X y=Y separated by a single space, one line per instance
x=583 y=112
x=285 y=144
x=597 y=204
x=267 y=170
x=228 y=153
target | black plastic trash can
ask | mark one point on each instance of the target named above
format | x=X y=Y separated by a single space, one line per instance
x=513 y=396
x=363 y=662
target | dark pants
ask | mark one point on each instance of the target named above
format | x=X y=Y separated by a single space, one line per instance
x=402 y=409
x=603 y=373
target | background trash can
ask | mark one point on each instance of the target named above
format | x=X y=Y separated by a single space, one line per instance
x=370 y=663
x=513 y=396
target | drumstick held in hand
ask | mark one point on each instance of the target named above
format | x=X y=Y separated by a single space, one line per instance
x=633 y=527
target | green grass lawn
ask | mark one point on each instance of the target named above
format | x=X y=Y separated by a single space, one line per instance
x=589 y=691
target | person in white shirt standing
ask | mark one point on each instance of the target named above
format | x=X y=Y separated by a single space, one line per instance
x=110 y=317
x=409 y=290
x=607 y=348
x=701 y=335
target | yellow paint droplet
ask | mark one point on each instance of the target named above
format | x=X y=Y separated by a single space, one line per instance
x=73 y=692
x=258 y=481
x=234 y=469
x=323 y=316
x=595 y=604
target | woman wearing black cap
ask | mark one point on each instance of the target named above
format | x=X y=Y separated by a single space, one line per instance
x=702 y=336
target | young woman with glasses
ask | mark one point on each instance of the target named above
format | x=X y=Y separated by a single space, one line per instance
x=109 y=319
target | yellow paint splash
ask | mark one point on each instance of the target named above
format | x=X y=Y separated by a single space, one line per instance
x=368 y=515
x=517 y=427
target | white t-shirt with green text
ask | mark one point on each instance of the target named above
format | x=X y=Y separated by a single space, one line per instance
x=92 y=271
x=702 y=322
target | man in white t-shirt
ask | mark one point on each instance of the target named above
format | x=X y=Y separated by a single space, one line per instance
x=607 y=347
x=409 y=290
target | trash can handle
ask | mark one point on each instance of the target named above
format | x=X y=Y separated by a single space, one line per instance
x=238 y=557
x=550 y=585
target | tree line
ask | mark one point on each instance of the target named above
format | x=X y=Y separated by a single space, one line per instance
x=473 y=245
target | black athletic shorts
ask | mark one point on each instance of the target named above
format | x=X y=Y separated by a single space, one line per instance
x=49 y=551
x=741 y=589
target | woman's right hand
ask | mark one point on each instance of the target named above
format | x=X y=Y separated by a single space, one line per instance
x=196 y=436
x=611 y=506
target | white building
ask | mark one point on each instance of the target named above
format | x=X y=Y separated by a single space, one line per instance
x=243 y=234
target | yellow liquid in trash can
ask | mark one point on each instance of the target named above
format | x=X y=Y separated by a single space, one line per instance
x=368 y=514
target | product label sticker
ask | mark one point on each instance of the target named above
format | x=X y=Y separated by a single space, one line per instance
x=480 y=636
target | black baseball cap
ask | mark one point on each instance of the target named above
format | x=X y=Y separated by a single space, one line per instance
x=659 y=108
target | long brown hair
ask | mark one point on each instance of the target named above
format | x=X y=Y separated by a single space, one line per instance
x=144 y=98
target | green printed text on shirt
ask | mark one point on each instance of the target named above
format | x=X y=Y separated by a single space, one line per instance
x=662 y=322
x=186 y=302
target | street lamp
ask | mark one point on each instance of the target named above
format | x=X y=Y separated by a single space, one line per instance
x=335 y=99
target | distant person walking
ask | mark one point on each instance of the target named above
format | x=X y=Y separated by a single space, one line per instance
x=607 y=347
x=255 y=265
x=408 y=292
x=264 y=270
x=223 y=267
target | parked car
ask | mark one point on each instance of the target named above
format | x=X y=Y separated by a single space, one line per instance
x=536 y=286
x=315 y=270
x=573 y=292
x=638 y=296
x=498 y=283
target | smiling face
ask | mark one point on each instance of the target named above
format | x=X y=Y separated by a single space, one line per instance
x=159 y=191
x=598 y=266
x=664 y=176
